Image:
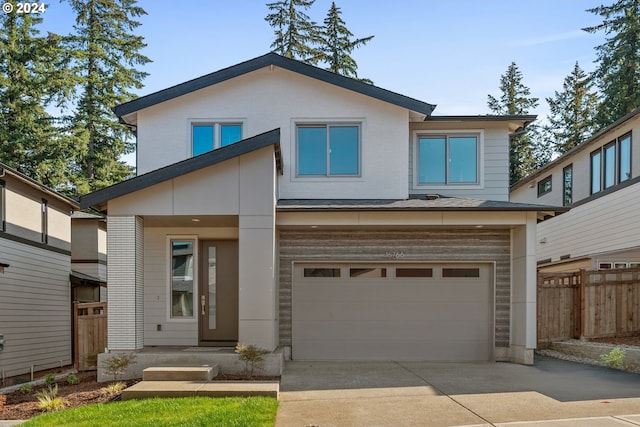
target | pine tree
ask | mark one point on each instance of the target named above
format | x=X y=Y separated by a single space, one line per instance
x=572 y=112
x=106 y=54
x=337 y=44
x=296 y=34
x=618 y=71
x=31 y=78
x=526 y=151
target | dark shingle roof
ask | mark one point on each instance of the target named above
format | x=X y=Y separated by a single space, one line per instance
x=175 y=170
x=282 y=62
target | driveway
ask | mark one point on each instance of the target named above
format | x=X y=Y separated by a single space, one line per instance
x=371 y=394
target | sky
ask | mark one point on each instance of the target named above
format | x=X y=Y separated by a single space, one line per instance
x=445 y=52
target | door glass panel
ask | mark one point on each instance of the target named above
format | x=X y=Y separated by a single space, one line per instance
x=414 y=272
x=212 y=286
x=460 y=272
x=367 y=272
x=321 y=272
x=182 y=279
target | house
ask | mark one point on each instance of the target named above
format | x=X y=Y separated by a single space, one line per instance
x=598 y=179
x=88 y=257
x=35 y=299
x=285 y=206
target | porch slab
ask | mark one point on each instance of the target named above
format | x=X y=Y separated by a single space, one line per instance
x=150 y=389
x=179 y=373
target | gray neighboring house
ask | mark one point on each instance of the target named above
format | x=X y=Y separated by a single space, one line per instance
x=599 y=179
x=35 y=262
x=88 y=257
x=282 y=205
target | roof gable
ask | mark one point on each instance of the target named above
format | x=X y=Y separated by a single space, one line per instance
x=272 y=59
x=175 y=170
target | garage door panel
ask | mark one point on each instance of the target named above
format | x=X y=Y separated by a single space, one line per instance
x=435 y=318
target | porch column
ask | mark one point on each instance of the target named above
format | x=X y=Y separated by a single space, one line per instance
x=125 y=283
x=523 y=291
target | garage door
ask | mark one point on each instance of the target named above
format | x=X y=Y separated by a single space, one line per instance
x=440 y=312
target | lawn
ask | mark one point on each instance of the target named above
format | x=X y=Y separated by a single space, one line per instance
x=189 y=411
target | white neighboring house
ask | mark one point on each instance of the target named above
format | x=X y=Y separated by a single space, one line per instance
x=599 y=180
x=35 y=262
x=282 y=205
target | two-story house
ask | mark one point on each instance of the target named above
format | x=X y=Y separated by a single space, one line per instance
x=282 y=205
x=88 y=257
x=35 y=294
x=598 y=179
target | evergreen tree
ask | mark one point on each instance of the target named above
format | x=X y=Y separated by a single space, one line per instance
x=31 y=78
x=337 y=44
x=106 y=54
x=526 y=151
x=296 y=34
x=572 y=111
x=618 y=71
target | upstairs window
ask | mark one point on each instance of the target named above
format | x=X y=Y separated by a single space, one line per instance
x=328 y=150
x=567 y=186
x=3 y=226
x=544 y=186
x=447 y=159
x=44 y=216
x=611 y=164
x=207 y=136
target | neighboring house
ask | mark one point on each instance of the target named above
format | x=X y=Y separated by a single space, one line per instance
x=598 y=179
x=282 y=205
x=35 y=299
x=88 y=257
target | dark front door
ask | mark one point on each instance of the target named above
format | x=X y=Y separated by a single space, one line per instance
x=218 y=305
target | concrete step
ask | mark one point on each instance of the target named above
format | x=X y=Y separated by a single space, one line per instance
x=149 y=389
x=179 y=373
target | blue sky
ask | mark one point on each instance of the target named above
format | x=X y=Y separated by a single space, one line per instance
x=450 y=53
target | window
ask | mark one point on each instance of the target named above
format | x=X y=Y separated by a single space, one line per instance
x=611 y=164
x=321 y=272
x=544 y=186
x=460 y=272
x=447 y=159
x=44 y=225
x=414 y=272
x=328 y=150
x=367 y=272
x=208 y=136
x=567 y=186
x=182 y=270
x=3 y=225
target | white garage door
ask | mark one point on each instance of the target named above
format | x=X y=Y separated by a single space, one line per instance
x=440 y=312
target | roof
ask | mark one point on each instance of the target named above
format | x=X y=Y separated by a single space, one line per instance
x=175 y=170
x=4 y=169
x=84 y=279
x=526 y=118
x=428 y=203
x=86 y=215
x=578 y=148
x=272 y=59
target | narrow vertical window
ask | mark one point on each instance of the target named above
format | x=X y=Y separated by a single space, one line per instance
x=609 y=173
x=567 y=186
x=596 y=177
x=3 y=226
x=625 y=158
x=432 y=154
x=44 y=227
x=202 y=139
x=182 y=270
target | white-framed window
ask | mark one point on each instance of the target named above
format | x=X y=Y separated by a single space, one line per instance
x=208 y=135
x=331 y=149
x=182 y=277
x=448 y=158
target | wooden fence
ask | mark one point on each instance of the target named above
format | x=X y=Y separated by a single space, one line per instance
x=90 y=338
x=588 y=304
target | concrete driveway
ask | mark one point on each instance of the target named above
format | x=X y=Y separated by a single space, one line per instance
x=371 y=394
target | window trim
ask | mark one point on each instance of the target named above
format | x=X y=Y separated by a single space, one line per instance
x=619 y=157
x=297 y=123
x=593 y=154
x=168 y=281
x=3 y=204
x=478 y=133
x=603 y=167
x=217 y=133
x=44 y=221
x=564 y=186
x=542 y=182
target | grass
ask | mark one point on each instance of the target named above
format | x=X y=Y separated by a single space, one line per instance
x=187 y=412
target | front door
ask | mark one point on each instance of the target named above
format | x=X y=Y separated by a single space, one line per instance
x=218 y=305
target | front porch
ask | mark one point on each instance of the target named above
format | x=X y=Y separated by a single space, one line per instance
x=225 y=358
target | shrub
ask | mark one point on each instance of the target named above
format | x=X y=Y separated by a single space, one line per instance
x=25 y=388
x=49 y=379
x=72 y=379
x=614 y=358
x=252 y=356
x=113 y=388
x=49 y=401
x=117 y=364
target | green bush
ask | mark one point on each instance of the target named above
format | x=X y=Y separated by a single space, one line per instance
x=25 y=388
x=252 y=356
x=49 y=401
x=49 y=379
x=72 y=379
x=614 y=358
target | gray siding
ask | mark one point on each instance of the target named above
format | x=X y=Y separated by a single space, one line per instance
x=35 y=308
x=417 y=246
